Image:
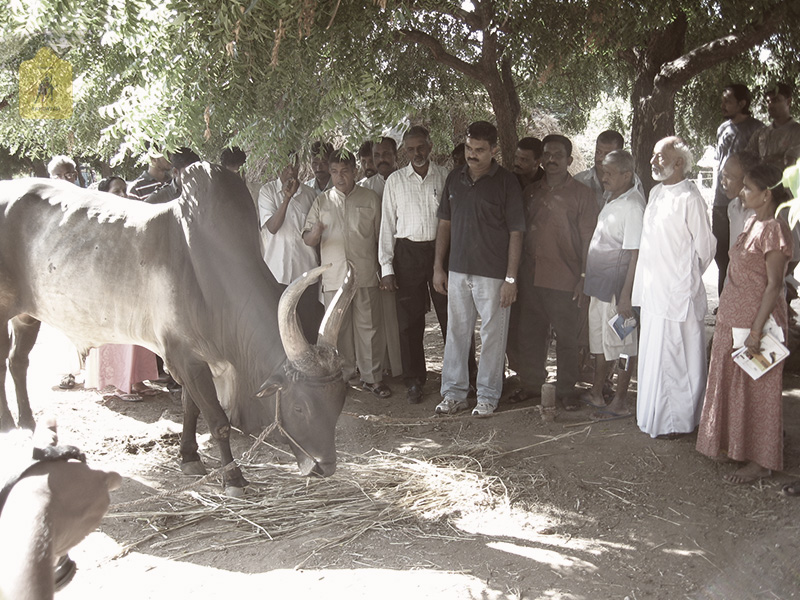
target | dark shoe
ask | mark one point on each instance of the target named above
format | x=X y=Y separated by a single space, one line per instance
x=379 y=390
x=414 y=394
x=521 y=395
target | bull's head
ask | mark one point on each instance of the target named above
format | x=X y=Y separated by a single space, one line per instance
x=310 y=395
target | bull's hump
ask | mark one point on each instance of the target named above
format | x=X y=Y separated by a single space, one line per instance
x=72 y=201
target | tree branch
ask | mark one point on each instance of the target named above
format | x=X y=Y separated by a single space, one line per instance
x=677 y=72
x=441 y=55
x=472 y=20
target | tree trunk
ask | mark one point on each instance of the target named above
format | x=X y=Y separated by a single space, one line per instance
x=653 y=119
x=507 y=117
x=663 y=67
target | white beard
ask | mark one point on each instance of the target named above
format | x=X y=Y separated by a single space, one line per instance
x=665 y=174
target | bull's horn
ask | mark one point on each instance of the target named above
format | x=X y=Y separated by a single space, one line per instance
x=332 y=321
x=294 y=342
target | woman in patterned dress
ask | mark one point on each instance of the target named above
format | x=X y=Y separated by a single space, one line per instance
x=742 y=418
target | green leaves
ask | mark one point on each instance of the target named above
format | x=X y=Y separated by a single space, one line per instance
x=274 y=75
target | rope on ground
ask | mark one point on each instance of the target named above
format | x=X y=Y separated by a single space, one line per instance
x=432 y=418
x=246 y=457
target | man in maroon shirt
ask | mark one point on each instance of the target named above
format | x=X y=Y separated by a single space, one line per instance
x=561 y=217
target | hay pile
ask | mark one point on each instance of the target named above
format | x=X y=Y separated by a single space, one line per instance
x=368 y=492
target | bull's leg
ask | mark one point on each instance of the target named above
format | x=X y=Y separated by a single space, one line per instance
x=26 y=330
x=190 y=459
x=6 y=418
x=199 y=385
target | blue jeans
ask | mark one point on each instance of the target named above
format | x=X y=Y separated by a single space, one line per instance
x=470 y=296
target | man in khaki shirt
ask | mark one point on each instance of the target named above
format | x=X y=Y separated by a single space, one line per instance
x=344 y=222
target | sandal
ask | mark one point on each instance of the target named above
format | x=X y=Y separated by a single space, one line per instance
x=67 y=382
x=379 y=390
x=143 y=389
x=792 y=489
x=521 y=395
x=570 y=403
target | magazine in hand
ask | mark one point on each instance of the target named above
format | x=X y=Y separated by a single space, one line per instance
x=624 y=327
x=755 y=365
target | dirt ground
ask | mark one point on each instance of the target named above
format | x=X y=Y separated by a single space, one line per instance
x=585 y=510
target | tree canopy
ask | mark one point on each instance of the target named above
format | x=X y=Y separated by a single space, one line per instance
x=274 y=75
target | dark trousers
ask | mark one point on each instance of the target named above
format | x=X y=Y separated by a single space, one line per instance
x=520 y=338
x=310 y=312
x=721 y=228
x=413 y=270
x=543 y=308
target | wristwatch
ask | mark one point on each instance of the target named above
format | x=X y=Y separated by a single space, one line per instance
x=511 y=279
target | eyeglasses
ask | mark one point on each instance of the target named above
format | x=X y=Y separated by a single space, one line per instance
x=69 y=175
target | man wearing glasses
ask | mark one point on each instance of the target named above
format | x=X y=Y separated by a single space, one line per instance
x=63 y=167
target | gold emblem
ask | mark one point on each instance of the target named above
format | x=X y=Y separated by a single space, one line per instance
x=45 y=87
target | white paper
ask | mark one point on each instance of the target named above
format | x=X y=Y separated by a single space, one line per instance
x=770 y=327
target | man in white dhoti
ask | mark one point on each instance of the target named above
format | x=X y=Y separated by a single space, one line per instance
x=676 y=247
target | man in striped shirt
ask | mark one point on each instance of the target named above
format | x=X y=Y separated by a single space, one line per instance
x=152 y=180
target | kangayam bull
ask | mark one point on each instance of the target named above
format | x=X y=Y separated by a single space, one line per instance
x=186 y=280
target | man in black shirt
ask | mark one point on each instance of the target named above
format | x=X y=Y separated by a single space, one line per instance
x=481 y=221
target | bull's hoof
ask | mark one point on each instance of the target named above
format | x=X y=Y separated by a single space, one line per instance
x=233 y=491
x=194 y=467
x=27 y=422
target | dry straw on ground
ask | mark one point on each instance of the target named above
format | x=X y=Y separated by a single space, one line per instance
x=368 y=492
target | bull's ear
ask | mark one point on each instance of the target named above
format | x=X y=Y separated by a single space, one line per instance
x=271 y=386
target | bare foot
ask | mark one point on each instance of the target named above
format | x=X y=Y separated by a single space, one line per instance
x=592 y=399
x=722 y=457
x=748 y=473
x=617 y=406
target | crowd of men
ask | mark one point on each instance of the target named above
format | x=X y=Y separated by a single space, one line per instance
x=536 y=253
